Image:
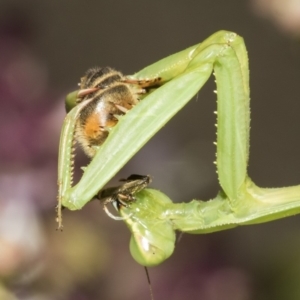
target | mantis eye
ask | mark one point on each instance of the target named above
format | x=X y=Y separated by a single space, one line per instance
x=153 y=237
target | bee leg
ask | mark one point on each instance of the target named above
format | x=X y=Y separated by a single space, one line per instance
x=141 y=92
x=115 y=202
x=115 y=217
x=125 y=200
x=121 y=108
x=153 y=82
x=84 y=92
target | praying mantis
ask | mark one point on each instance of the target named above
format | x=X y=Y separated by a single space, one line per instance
x=153 y=218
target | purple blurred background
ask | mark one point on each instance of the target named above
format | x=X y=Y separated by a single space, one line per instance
x=45 y=47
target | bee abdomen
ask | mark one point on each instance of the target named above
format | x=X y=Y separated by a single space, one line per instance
x=100 y=77
x=113 y=98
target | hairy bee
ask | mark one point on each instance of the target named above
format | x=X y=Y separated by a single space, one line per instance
x=110 y=95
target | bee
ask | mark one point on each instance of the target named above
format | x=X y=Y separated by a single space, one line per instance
x=110 y=95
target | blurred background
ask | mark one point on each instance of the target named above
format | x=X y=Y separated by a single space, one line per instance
x=45 y=47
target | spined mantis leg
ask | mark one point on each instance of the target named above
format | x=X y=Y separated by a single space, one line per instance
x=154 y=217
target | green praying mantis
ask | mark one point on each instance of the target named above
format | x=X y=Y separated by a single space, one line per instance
x=153 y=218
